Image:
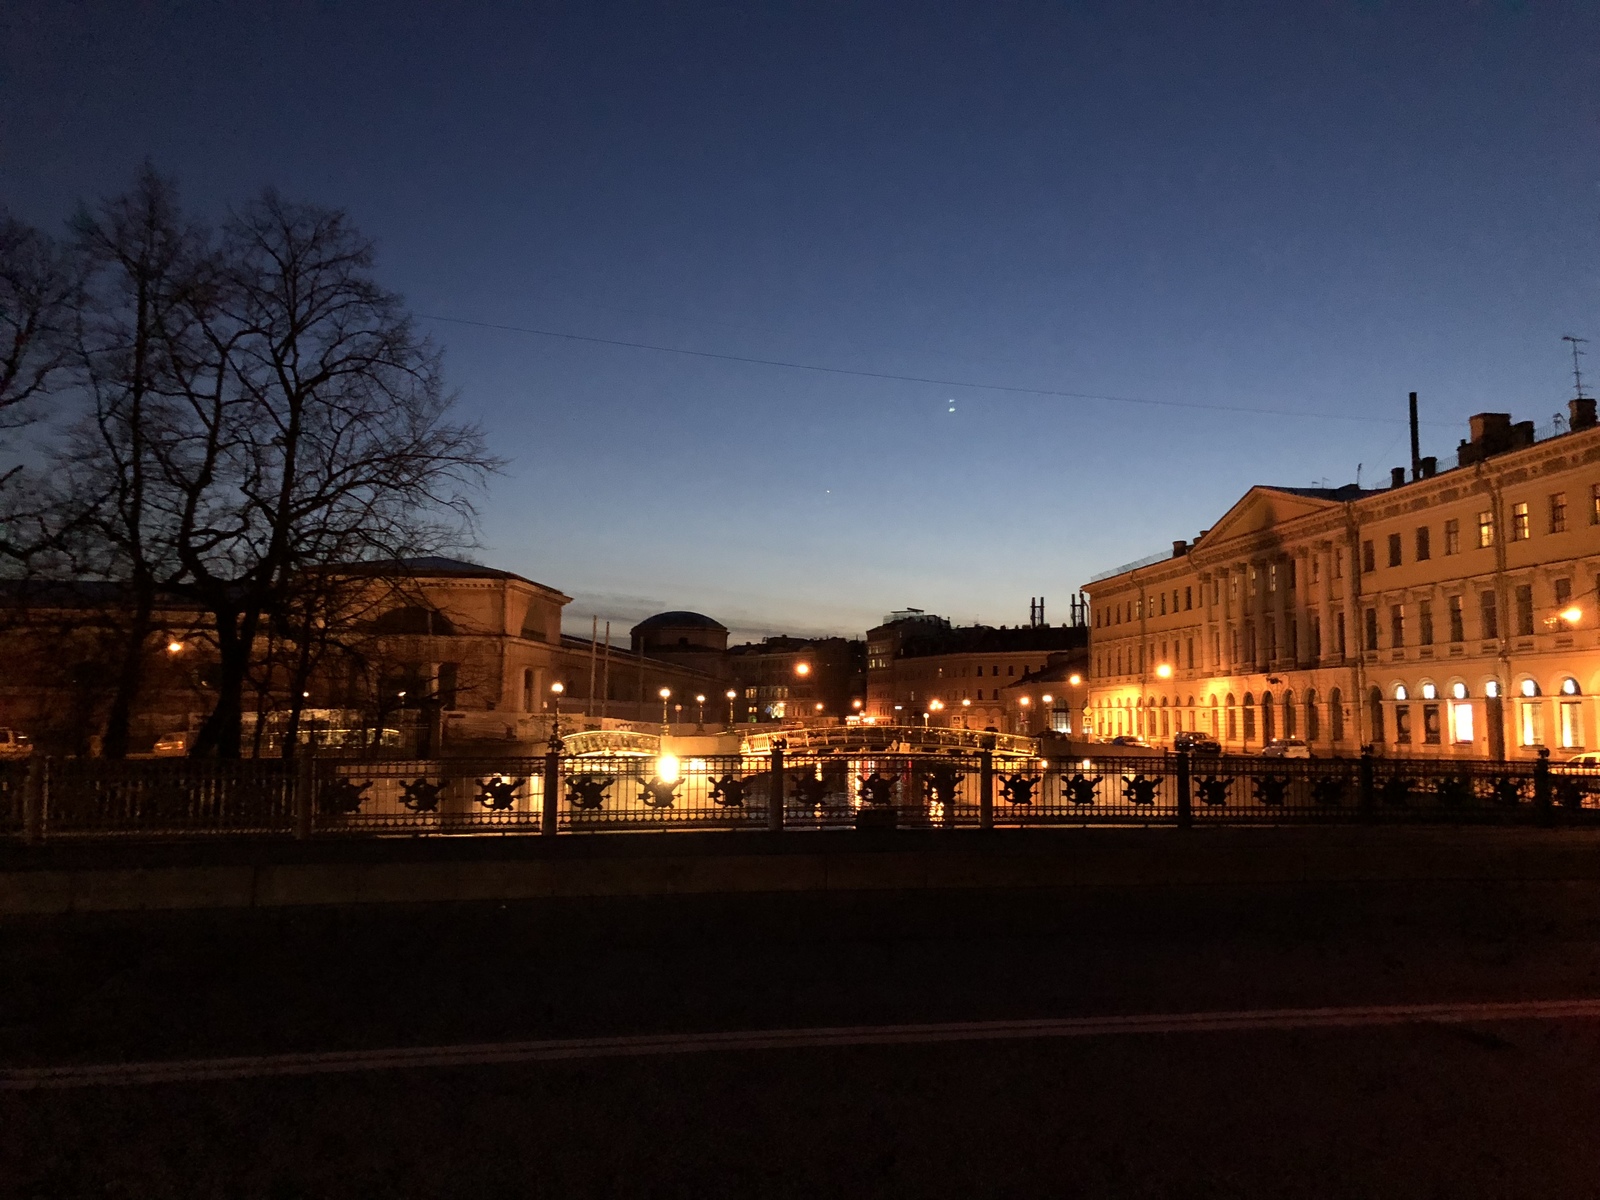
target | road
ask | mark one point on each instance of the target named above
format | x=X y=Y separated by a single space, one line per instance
x=1458 y=1106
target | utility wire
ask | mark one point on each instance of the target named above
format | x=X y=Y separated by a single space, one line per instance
x=954 y=383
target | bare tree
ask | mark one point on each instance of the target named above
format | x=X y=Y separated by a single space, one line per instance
x=39 y=290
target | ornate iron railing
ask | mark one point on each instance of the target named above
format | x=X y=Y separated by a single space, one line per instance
x=830 y=788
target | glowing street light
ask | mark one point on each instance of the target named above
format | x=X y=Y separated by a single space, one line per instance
x=1164 y=671
x=174 y=647
x=1074 y=680
x=665 y=694
x=1572 y=615
x=556 y=689
x=700 y=723
x=803 y=668
x=731 y=695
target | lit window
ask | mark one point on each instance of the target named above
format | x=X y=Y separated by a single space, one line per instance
x=1485 y=529
x=1519 y=523
x=1400 y=692
x=1459 y=691
x=1461 y=721
x=1492 y=689
x=1569 y=686
x=1429 y=692
x=1529 y=688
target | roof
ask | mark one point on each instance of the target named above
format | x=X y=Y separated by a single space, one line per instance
x=678 y=619
x=436 y=566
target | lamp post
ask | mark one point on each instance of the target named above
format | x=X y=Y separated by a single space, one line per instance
x=1026 y=724
x=731 y=695
x=935 y=706
x=1049 y=713
x=965 y=705
x=665 y=694
x=556 y=689
x=700 y=721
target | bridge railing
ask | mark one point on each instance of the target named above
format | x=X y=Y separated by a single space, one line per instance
x=820 y=789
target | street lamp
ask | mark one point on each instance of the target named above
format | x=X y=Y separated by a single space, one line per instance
x=935 y=706
x=665 y=694
x=1074 y=680
x=174 y=647
x=700 y=723
x=802 y=668
x=731 y=695
x=555 y=695
x=1164 y=671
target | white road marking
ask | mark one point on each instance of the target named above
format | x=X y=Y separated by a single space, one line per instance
x=492 y=1053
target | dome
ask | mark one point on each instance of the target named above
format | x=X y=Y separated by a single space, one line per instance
x=679 y=620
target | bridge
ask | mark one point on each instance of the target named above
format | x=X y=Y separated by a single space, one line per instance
x=829 y=739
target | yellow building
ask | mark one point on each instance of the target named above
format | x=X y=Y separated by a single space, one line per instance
x=1454 y=614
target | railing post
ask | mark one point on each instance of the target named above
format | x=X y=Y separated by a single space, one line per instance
x=548 y=812
x=33 y=785
x=305 y=788
x=775 y=792
x=1185 y=803
x=1369 y=788
x=985 y=790
x=1543 y=813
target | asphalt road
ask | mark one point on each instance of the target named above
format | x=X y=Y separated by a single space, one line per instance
x=1418 y=1108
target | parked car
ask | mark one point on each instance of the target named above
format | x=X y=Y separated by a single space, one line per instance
x=172 y=745
x=1195 y=742
x=15 y=744
x=1582 y=764
x=1127 y=739
x=1286 y=748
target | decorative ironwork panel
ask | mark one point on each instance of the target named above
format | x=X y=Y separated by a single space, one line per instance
x=168 y=798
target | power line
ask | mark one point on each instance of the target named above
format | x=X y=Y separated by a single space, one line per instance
x=987 y=387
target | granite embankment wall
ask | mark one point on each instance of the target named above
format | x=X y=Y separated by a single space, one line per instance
x=92 y=877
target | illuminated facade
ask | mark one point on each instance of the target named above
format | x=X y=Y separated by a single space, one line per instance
x=1455 y=614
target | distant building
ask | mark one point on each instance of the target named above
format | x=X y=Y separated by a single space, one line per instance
x=785 y=678
x=1451 y=614
x=921 y=669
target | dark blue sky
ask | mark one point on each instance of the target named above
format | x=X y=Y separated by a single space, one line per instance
x=1308 y=208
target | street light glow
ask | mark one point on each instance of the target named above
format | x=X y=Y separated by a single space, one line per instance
x=1572 y=615
x=1074 y=680
x=667 y=768
x=558 y=688
x=1164 y=671
x=802 y=668
x=665 y=693
x=174 y=647
x=1046 y=699
x=702 y=699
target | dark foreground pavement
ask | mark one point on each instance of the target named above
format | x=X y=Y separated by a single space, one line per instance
x=1420 y=1109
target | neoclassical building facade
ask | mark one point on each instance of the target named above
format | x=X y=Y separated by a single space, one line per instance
x=1454 y=613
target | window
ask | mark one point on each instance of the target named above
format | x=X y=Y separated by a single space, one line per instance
x=1558 y=512
x=1163 y=604
x=1272 y=578
x=1563 y=596
x=1397 y=626
x=1519 y=523
x=1336 y=715
x=1293 y=577
x=1461 y=721
x=1425 y=623
x=1530 y=722
x=1524 y=610
x=1338 y=564
x=1431 y=730
x=1402 y=724
x=1372 y=629
x=1571 y=725
x=1316 y=568
x=1291 y=633
x=1368 y=559
x=1394 y=549
x=1188 y=598
x=1188 y=653
x=1457 y=626
x=1488 y=618
x=1424 y=550
x=1338 y=631
x=1316 y=637
x=1594 y=504
x=1485 y=529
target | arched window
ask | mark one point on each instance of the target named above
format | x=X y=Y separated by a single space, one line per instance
x=1216 y=729
x=1313 y=731
x=527 y=690
x=1288 y=714
x=1569 y=687
x=1249 y=718
x=1336 y=715
x=1530 y=687
x=1375 y=714
x=1269 y=720
x=1233 y=720
x=1400 y=692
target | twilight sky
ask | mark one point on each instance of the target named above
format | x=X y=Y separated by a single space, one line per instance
x=1304 y=208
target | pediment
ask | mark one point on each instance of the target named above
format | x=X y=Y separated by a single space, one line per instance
x=1260 y=510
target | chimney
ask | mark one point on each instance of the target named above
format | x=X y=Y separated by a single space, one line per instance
x=1397 y=477
x=1430 y=467
x=1180 y=548
x=1416 y=446
x=1582 y=413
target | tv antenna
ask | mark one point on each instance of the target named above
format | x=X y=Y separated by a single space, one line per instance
x=1577 y=373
